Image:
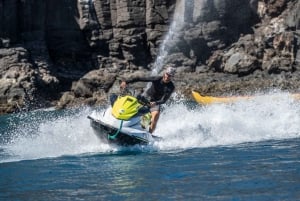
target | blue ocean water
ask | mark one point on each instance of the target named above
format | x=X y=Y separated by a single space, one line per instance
x=249 y=150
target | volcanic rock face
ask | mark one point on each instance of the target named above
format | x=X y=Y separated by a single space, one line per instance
x=75 y=52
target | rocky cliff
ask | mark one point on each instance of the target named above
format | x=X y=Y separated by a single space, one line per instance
x=71 y=52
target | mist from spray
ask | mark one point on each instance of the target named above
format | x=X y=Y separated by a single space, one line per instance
x=174 y=29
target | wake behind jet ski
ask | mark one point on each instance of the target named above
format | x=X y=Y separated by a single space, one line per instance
x=125 y=122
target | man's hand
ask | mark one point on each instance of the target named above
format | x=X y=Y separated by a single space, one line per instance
x=123 y=85
x=152 y=104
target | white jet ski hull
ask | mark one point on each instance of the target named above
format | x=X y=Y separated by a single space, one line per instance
x=121 y=132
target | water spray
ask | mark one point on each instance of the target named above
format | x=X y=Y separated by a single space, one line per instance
x=176 y=25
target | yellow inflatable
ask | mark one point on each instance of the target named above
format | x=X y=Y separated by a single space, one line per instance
x=211 y=99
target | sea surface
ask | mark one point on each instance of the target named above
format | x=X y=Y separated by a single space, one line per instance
x=248 y=150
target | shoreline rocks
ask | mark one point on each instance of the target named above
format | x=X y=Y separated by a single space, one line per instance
x=70 y=53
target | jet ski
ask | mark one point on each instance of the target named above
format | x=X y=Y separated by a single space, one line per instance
x=126 y=122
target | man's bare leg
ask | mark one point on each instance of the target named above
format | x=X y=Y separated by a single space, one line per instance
x=154 y=119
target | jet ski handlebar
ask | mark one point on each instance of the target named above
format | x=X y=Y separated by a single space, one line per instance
x=144 y=101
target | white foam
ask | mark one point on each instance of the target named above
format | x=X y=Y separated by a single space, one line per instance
x=70 y=134
x=268 y=117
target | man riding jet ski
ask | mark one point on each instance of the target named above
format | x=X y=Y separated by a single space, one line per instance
x=131 y=120
x=158 y=93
